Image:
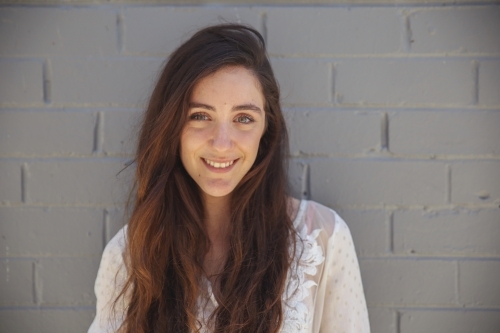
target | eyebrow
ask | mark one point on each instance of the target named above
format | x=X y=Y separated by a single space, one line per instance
x=248 y=106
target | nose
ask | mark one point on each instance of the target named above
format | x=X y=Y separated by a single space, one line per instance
x=221 y=140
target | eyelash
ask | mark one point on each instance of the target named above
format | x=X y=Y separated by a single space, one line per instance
x=197 y=116
x=203 y=116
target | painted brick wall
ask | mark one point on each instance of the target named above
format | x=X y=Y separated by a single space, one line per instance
x=394 y=116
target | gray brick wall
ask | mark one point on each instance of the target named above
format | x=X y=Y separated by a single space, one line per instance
x=394 y=117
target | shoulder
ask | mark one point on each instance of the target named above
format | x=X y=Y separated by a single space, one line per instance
x=315 y=216
x=111 y=277
x=112 y=262
x=116 y=246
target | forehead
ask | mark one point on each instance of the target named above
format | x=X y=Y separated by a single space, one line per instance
x=232 y=84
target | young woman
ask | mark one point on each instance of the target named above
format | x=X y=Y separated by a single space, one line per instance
x=214 y=243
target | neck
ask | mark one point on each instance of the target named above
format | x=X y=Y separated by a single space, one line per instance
x=217 y=219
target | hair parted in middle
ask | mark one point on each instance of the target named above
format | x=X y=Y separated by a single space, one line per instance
x=167 y=240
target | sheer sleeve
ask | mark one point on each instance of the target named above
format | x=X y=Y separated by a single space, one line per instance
x=344 y=306
x=110 y=280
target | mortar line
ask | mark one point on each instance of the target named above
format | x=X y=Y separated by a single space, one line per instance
x=37 y=284
x=24 y=187
x=457 y=282
x=331 y=81
x=390 y=223
x=263 y=27
x=406 y=33
x=33 y=279
x=384 y=132
x=475 y=83
x=306 y=186
x=120 y=31
x=448 y=184
x=47 y=81
x=98 y=133
x=105 y=228
x=398 y=321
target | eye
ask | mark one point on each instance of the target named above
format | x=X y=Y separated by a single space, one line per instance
x=199 y=116
x=244 y=119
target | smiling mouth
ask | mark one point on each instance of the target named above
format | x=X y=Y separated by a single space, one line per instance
x=219 y=165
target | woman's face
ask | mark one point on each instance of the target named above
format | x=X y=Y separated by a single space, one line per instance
x=226 y=120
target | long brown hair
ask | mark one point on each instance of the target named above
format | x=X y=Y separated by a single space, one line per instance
x=167 y=240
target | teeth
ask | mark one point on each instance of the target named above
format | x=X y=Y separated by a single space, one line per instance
x=219 y=165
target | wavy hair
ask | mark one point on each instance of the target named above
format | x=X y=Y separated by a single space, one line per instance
x=167 y=240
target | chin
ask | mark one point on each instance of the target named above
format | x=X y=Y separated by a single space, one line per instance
x=217 y=193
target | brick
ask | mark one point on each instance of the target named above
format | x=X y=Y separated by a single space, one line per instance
x=475 y=182
x=68 y=281
x=326 y=131
x=408 y=282
x=382 y=320
x=404 y=82
x=116 y=82
x=448 y=232
x=430 y=132
x=10 y=182
x=21 y=82
x=75 y=181
x=455 y=30
x=121 y=129
x=377 y=182
x=327 y=31
x=489 y=83
x=459 y=321
x=478 y=283
x=32 y=231
x=53 y=321
x=42 y=133
x=369 y=230
x=43 y=31
x=168 y=27
x=16 y=284
x=303 y=82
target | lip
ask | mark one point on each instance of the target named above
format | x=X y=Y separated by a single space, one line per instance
x=219 y=170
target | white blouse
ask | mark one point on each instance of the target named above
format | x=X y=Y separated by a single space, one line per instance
x=324 y=293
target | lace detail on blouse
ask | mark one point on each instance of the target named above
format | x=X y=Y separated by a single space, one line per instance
x=308 y=255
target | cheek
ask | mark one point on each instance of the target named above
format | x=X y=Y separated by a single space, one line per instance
x=190 y=140
x=250 y=142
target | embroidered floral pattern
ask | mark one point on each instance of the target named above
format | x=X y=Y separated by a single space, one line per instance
x=309 y=256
